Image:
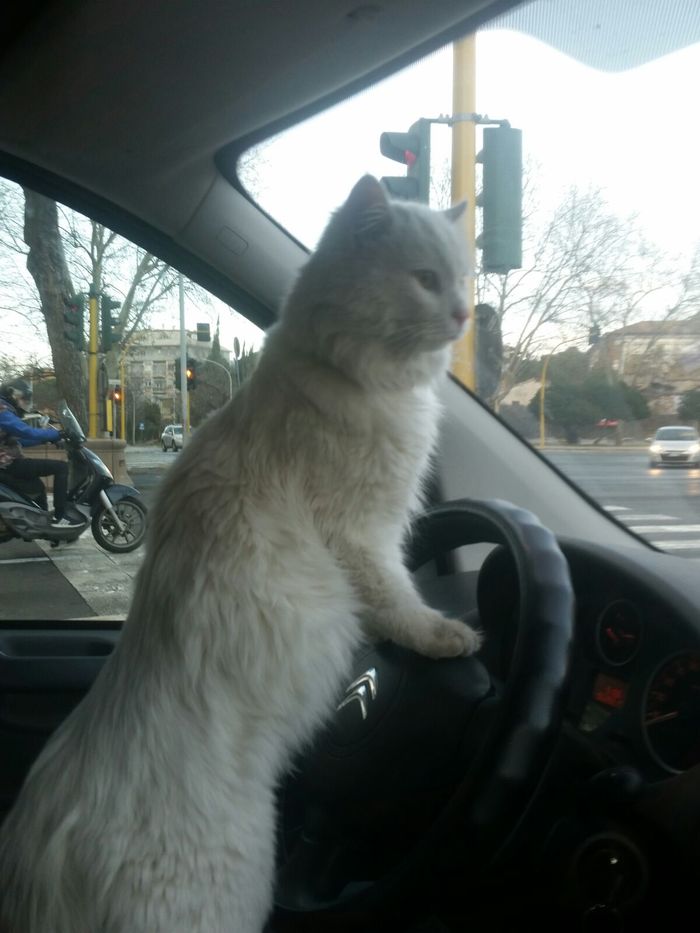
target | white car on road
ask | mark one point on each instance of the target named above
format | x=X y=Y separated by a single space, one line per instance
x=171 y=438
x=675 y=444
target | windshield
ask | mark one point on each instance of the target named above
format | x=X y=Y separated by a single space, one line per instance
x=676 y=434
x=105 y=365
x=587 y=324
x=69 y=421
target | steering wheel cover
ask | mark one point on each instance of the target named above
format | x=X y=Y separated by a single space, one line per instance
x=527 y=722
x=504 y=772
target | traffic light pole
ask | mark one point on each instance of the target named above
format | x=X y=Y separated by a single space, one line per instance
x=122 y=407
x=93 y=346
x=464 y=188
x=184 y=394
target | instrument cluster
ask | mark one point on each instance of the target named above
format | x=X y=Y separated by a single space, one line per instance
x=635 y=693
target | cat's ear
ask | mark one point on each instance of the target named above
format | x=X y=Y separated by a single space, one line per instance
x=367 y=209
x=454 y=213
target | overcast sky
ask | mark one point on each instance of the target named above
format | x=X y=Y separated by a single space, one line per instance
x=634 y=134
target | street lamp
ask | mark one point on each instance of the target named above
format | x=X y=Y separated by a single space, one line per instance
x=543 y=381
x=226 y=370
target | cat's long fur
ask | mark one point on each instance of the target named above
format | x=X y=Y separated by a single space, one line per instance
x=276 y=537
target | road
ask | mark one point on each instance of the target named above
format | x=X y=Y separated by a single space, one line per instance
x=82 y=581
x=661 y=505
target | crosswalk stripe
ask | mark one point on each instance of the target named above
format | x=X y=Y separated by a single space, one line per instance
x=648 y=518
x=677 y=540
x=665 y=529
x=677 y=545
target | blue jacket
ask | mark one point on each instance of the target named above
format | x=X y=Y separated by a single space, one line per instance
x=15 y=434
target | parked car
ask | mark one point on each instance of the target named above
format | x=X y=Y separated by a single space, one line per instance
x=675 y=445
x=171 y=438
x=553 y=780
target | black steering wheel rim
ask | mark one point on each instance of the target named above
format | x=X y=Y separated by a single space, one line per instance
x=504 y=773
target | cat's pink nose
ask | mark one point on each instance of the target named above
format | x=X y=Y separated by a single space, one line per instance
x=461 y=315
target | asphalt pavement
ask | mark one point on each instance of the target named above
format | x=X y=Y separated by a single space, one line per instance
x=78 y=580
x=662 y=505
x=82 y=581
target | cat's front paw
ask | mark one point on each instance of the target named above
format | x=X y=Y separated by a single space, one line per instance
x=440 y=637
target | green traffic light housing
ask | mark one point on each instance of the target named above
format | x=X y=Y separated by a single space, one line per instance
x=501 y=239
x=111 y=332
x=74 y=317
x=411 y=149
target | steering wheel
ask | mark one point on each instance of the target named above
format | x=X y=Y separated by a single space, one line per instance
x=410 y=728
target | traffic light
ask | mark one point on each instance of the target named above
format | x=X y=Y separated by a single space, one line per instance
x=74 y=316
x=118 y=395
x=191 y=374
x=501 y=240
x=111 y=331
x=489 y=351
x=413 y=150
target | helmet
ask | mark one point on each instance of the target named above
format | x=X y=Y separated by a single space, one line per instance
x=18 y=392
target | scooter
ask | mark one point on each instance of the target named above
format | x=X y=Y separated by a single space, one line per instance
x=115 y=512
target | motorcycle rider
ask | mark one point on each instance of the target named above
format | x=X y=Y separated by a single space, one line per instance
x=19 y=471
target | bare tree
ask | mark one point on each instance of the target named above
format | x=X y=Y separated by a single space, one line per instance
x=46 y=262
x=585 y=270
x=51 y=253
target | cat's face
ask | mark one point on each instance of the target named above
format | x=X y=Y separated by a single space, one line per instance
x=388 y=274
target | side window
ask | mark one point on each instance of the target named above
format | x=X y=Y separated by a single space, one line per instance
x=90 y=325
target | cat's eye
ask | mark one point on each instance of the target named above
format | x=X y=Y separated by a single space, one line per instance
x=427 y=279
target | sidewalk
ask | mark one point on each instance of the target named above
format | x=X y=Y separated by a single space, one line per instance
x=103 y=579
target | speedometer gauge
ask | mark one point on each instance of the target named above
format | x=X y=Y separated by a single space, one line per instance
x=672 y=712
x=619 y=632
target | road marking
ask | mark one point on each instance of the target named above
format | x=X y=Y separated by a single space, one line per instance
x=649 y=518
x=616 y=508
x=24 y=560
x=665 y=529
x=677 y=545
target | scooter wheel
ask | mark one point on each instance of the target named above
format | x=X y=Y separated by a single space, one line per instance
x=132 y=515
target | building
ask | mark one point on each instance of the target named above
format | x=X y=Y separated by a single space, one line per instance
x=150 y=365
x=660 y=358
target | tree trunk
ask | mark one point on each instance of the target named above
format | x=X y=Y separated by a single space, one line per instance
x=47 y=265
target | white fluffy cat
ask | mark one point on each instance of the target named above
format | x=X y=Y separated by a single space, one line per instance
x=275 y=541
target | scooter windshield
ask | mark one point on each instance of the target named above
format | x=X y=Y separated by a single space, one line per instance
x=69 y=422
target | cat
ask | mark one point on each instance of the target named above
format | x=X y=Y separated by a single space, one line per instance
x=274 y=547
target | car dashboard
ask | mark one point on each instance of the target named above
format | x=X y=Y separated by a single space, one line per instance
x=634 y=691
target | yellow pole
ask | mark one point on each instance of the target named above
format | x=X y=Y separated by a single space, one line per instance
x=93 y=402
x=122 y=407
x=464 y=188
x=109 y=404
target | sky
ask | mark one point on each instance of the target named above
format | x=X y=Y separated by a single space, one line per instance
x=633 y=134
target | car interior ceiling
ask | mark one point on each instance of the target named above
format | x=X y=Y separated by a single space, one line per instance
x=602 y=802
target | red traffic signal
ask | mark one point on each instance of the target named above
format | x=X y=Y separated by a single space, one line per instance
x=413 y=150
